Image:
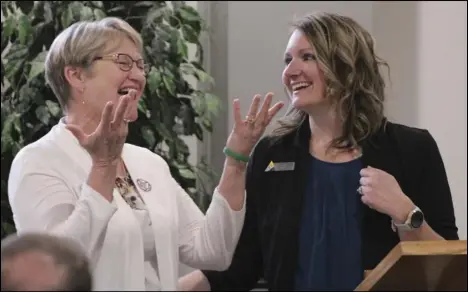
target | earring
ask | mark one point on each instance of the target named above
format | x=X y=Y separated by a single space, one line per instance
x=82 y=90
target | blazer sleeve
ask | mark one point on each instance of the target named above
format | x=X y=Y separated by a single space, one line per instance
x=42 y=202
x=436 y=198
x=247 y=263
x=207 y=241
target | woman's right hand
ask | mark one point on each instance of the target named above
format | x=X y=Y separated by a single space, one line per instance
x=106 y=142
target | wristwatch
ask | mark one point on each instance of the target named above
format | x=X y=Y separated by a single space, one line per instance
x=414 y=221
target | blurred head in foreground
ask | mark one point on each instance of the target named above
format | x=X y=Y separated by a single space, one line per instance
x=42 y=262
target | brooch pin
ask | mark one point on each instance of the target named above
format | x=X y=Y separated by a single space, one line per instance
x=144 y=185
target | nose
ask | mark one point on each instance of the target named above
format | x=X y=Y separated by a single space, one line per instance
x=292 y=69
x=137 y=74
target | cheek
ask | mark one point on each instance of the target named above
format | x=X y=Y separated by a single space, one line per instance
x=321 y=85
x=116 y=78
x=285 y=79
x=318 y=78
x=313 y=71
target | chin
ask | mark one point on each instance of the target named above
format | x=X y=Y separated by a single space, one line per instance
x=303 y=103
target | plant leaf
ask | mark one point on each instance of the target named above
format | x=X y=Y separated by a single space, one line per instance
x=189 y=14
x=37 y=65
x=67 y=17
x=8 y=27
x=189 y=34
x=53 y=108
x=24 y=29
x=169 y=84
x=154 y=79
x=43 y=114
x=148 y=135
x=86 y=13
x=182 y=48
x=99 y=14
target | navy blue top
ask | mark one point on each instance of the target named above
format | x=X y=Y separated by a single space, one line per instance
x=330 y=237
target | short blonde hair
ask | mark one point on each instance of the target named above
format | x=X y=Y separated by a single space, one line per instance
x=78 y=45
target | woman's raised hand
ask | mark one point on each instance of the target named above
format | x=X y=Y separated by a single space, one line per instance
x=247 y=132
x=106 y=142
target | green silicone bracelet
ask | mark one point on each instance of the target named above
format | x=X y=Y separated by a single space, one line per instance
x=235 y=155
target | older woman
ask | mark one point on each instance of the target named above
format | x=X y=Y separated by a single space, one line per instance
x=336 y=186
x=119 y=201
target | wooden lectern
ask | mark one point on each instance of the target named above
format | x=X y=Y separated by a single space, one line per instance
x=420 y=266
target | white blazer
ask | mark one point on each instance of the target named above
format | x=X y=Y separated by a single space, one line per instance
x=48 y=192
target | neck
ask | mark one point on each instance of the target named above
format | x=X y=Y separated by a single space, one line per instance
x=87 y=121
x=324 y=126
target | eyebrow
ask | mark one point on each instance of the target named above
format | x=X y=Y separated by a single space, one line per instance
x=139 y=57
x=301 y=51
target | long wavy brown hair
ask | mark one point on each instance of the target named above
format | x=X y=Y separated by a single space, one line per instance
x=354 y=83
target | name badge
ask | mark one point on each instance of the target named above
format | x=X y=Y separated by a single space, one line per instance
x=280 y=166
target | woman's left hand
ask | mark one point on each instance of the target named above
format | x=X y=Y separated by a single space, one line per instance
x=246 y=132
x=381 y=192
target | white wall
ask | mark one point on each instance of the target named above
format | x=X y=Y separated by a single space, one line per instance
x=442 y=90
x=424 y=43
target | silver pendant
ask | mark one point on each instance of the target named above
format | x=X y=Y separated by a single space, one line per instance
x=143 y=184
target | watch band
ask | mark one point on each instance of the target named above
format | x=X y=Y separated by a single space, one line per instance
x=407 y=225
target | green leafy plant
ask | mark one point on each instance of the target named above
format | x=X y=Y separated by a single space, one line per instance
x=170 y=108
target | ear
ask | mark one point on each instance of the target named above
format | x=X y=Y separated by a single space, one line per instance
x=75 y=76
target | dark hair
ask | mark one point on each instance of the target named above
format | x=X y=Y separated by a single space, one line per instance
x=345 y=52
x=66 y=253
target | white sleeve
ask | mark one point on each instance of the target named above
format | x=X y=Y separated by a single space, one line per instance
x=41 y=201
x=208 y=242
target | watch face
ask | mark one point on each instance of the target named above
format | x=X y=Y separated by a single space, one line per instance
x=417 y=219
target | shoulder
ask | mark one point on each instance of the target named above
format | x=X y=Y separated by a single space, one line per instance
x=414 y=147
x=401 y=131
x=35 y=154
x=409 y=137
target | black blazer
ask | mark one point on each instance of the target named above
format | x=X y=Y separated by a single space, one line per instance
x=269 y=241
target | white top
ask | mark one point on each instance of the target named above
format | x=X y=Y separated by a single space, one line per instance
x=131 y=195
x=48 y=192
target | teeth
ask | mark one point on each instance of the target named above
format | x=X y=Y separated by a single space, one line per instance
x=123 y=91
x=300 y=85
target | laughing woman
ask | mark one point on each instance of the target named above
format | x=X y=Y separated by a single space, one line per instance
x=119 y=201
x=336 y=185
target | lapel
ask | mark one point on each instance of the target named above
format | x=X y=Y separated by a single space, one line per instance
x=286 y=249
x=70 y=145
x=123 y=233
x=153 y=184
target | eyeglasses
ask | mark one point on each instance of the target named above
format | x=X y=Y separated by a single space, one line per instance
x=125 y=62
